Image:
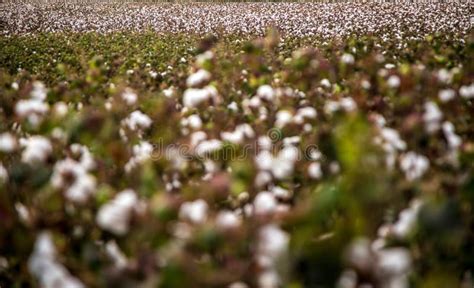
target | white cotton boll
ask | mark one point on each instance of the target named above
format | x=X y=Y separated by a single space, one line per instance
x=138 y=120
x=235 y=137
x=325 y=83
x=266 y=92
x=60 y=109
x=194 y=97
x=264 y=160
x=315 y=171
x=331 y=106
x=348 y=279
x=37 y=149
x=359 y=254
x=445 y=76
x=348 y=58
x=86 y=159
x=44 y=266
x=393 y=81
x=392 y=137
x=194 y=121
x=283 y=118
x=39 y=91
x=246 y=129
x=294 y=140
x=414 y=165
x=348 y=104
x=204 y=57
x=114 y=216
x=129 y=97
x=304 y=113
x=446 y=95
x=153 y=74
x=432 y=117
x=273 y=242
x=264 y=142
x=32 y=109
x=115 y=254
x=23 y=213
x=394 y=261
x=73 y=176
x=198 y=78
x=195 y=211
x=366 y=84
x=282 y=193
x=264 y=203
x=233 y=106
x=263 y=178
x=83 y=187
x=3 y=174
x=208 y=146
x=467 y=91
x=454 y=141
x=227 y=220
x=269 y=279
x=15 y=86
x=283 y=164
x=197 y=137
x=8 y=142
x=169 y=92
x=254 y=102
x=238 y=285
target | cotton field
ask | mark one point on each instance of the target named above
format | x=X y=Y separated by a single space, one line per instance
x=237 y=145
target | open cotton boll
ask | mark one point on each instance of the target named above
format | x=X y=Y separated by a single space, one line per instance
x=3 y=174
x=45 y=267
x=39 y=91
x=407 y=220
x=208 y=146
x=347 y=58
x=272 y=243
x=454 y=141
x=283 y=164
x=282 y=193
x=414 y=165
x=200 y=77
x=141 y=152
x=114 y=216
x=32 y=109
x=283 y=118
x=115 y=254
x=467 y=91
x=193 y=97
x=195 y=211
x=432 y=117
x=315 y=171
x=304 y=113
x=60 y=109
x=393 y=81
x=266 y=92
x=227 y=220
x=394 y=261
x=264 y=203
x=233 y=106
x=137 y=120
x=72 y=176
x=36 y=149
x=129 y=97
x=8 y=142
x=446 y=95
x=194 y=122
